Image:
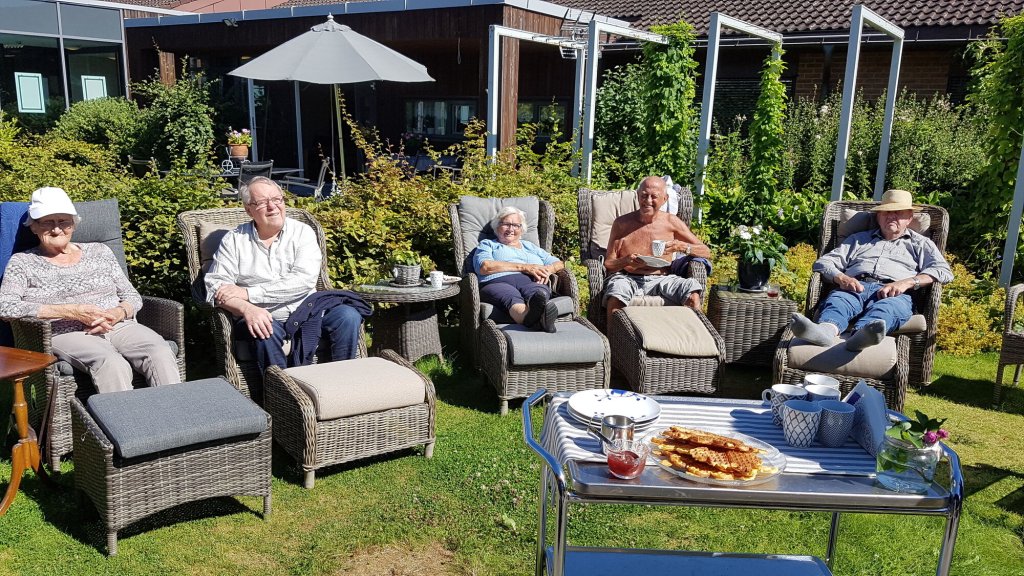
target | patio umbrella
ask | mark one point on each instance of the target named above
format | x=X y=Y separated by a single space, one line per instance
x=332 y=53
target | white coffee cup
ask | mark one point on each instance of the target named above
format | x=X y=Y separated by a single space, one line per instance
x=780 y=393
x=657 y=247
x=821 y=380
x=437 y=279
x=819 y=392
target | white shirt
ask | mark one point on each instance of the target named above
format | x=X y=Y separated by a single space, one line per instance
x=277 y=278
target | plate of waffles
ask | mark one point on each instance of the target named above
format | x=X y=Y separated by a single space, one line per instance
x=714 y=457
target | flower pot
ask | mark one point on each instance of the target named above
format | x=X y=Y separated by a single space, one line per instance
x=753 y=276
x=903 y=467
x=238 y=151
x=407 y=275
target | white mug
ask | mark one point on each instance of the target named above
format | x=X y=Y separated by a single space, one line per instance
x=818 y=392
x=821 y=380
x=780 y=393
x=657 y=247
x=437 y=279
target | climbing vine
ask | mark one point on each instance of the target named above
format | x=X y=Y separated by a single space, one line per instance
x=767 y=147
x=669 y=90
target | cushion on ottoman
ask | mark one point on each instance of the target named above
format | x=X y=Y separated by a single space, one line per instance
x=149 y=420
x=916 y=324
x=673 y=330
x=572 y=343
x=360 y=386
x=875 y=362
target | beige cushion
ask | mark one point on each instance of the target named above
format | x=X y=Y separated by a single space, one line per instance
x=605 y=208
x=360 y=386
x=647 y=301
x=875 y=362
x=674 y=330
x=917 y=323
x=852 y=221
x=210 y=237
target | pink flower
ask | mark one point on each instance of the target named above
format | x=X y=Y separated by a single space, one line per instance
x=943 y=434
x=930 y=437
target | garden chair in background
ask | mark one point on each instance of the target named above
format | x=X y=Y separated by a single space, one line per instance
x=1012 y=350
x=53 y=389
x=141 y=168
x=249 y=170
x=516 y=361
x=203 y=231
x=302 y=187
x=597 y=210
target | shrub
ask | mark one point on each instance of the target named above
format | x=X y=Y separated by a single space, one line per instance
x=177 y=121
x=113 y=123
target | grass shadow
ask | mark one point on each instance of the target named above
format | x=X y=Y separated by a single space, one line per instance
x=977 y=477
x=974 y=392
x=455 y=381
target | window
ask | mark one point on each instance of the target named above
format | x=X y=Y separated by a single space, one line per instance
x=546 y=115
x=438 y=117
x=94 y=69
x=31 y=84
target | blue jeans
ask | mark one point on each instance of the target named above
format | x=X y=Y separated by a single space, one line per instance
x=340 y=326
x=841 y=306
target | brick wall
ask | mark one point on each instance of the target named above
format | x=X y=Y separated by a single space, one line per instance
x=923 y=71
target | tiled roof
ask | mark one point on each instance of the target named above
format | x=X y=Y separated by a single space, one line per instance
x=792 y=16
x=290 y=3
x=153 y=3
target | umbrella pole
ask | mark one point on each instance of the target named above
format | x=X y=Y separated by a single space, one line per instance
x=341 y=134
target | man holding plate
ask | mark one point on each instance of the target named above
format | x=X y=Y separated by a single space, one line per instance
x=633 y=268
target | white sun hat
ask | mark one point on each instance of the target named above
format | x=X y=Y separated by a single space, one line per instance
x=50 y=200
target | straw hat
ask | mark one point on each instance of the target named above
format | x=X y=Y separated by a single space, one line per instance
x=50 y=200
x=894 y=200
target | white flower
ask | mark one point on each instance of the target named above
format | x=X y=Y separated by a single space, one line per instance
x=757 y=230
x=781 y=214
x=745 y=235
x=824 y=109
x=741 y=229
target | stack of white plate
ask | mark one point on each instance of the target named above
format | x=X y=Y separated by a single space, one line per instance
x=590 y=406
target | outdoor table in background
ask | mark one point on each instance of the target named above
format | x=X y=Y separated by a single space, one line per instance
x=815 y=479
x=750 y=323
x=411 y=328
x=15 y=366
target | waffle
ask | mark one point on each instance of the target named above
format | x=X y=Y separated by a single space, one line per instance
x=708 y=439
x=708 y=455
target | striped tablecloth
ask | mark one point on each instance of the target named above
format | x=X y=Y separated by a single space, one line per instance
x=567 y=438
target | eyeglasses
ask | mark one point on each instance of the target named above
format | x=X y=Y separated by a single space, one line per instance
x=511 y=225
x=264 y=204
x=51 y=224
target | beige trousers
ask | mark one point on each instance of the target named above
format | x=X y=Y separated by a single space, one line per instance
x=109 y=358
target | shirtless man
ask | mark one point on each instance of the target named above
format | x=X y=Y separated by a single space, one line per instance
x=631 y=237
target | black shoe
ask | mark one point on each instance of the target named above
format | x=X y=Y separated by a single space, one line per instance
x=549 y=319
x=535 y=309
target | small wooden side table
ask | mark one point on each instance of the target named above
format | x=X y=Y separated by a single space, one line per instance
x=16 y=365
x=749 y=322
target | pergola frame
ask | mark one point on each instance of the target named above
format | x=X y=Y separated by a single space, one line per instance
x=862 y=16
x=497 y=33
x=718 y=21
x=590 y=101
x=1013 y=226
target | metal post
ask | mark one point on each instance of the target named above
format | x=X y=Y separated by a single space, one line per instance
x=833 y=537
x=577 y=100
x=1013 y=226
x=846 y=114
x=590 y=100
x=890 y=111
x=493 y=89
x=298 y=128
x=706 y=108
x=252 y=118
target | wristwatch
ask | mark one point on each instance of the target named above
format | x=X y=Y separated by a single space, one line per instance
x=688 y=247
x=917 y=282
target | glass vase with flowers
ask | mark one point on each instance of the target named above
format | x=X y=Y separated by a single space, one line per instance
x=910 y=453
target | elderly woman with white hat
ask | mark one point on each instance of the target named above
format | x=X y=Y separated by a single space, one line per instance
x=873 y=270
x=84 y=291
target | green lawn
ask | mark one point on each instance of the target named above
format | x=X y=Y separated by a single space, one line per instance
x=472 y=508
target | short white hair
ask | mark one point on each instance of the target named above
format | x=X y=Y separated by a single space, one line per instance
x=30 y=221
x=245 y=194
x=508 y=211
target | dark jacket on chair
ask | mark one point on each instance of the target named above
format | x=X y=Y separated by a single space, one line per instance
x=303 y=325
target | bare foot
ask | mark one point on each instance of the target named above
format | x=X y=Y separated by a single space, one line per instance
x=693 y=300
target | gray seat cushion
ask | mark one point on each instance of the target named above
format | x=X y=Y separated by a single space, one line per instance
x=64 y=368
x=573 y=343
x=149 y=420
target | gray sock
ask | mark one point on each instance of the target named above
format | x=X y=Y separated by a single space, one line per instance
x=868 y=335
x=807 y=329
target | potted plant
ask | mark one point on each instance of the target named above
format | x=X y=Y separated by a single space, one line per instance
x=910 y=453
x=758 y=250
x=239 y=142
x=406 y=267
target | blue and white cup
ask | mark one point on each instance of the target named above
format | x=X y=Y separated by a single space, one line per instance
x=836 y=422
x=800 y=420
x=820 y=380
x=818 y=393
x=780 y=393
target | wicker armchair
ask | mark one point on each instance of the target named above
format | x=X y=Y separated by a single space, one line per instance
x=242 y=372
x=592 y=251
x=926 y=300
x=484 y=337
x=53 y=388
x=1012 y=350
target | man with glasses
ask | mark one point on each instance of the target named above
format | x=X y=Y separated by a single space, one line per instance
x=265 y=273
x=631 y=269
x=873 y=272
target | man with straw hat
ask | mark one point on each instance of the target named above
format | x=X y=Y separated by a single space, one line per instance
x=873 y=270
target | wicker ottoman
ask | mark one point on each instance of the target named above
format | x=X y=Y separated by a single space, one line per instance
x=327 y=414
x=141 y=451
x=884 y=367
x=666 y=349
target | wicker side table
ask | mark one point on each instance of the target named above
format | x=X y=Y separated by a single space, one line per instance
x=409 y=329
x=750 y=323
